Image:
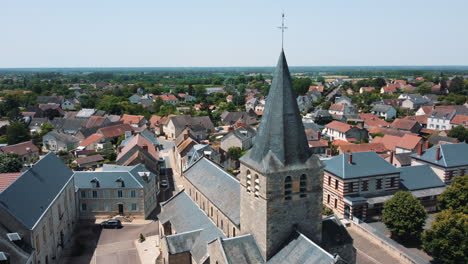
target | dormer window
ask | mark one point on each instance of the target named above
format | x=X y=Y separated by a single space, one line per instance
x=95 y=183
x=120 y=183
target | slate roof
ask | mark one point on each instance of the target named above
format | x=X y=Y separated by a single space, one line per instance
x=242 y=133
x=281 y=133
x=197 y=122
x=185 y=216
x=89 y=159
x=241 y=249
x=85 y=113
x=451 y=155
x=222 y=189
x=115 y=130
x=31 y=194
x=302 y=250
x=364 y=164
x=20 y=148
x=403 y=158
x=135 y=170
x=381 y=108
x=419 y=177
x=68 y=124
x=107 y=180
x=230 y=118
x=62 y=137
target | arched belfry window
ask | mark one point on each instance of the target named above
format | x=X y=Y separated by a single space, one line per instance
x=303 y=186
x=287 y=188
x=249 y=181
x=257 y=185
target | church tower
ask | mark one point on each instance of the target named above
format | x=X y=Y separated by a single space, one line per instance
x=281 y=186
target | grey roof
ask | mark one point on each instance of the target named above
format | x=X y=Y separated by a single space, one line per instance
x=222 y=189
x=62 y=137
x=146 y=134
x=85 y=113
x=334 y=234
x=68 y=124
x=404 y=158
x=281 y=133
x=182 y=242
x=241 y=249
x=185 y=216
x=451 y=155
x=107 y=179
x=313 y=126
x=302 y=250
x=364 y=164
x=134 y=170
x=231 y=118
x=419 y=177
x=196 y=122
x=29 y=196
x=381 y=108
x=436 y=139
x=17 y=254
x=242 y=133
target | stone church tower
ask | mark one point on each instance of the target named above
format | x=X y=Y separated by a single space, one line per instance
x=281 y=186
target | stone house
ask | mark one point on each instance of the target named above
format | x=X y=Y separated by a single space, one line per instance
x=385 y=111
x=133 y=120
x=27 y=151
x=241 y=137
x=56 y=141
x=89 y=162
x=200 y=126
x=38 y=213
x=231 y=118
x=407 y=125
x=339 y=130
x=116 y=190
x=68 y=104
x=139 y=149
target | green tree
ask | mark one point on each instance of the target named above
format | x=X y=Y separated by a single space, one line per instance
x=455 y=197
x=456 y=85
x=10 y=162
x=460 y=133
x=46 y=128
x=167 y=109
x=235 y=153
x=404 y=215
x=326 y=105
x=17 y=132
x=301 y=86
x=447 y=240
x=424 y=88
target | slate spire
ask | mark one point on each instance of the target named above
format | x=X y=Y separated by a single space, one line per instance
x=281 y=131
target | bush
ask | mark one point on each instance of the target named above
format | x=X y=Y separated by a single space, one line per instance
x=404 y=216
x=456 y=196
x=327 y=211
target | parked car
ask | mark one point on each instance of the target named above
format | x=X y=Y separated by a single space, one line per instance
x=113 y=223
x=164 y=183
x=161 y=160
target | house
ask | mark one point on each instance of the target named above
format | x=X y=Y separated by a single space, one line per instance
x=97 y=121
x=400 y=159
x=408 y=125
x=56 y=141
x=27 y=151
x=38 y=213
x=318 y=88
x=135 y=99
x=389 y=89
x=399 y=144
x=36 y=123
x=304 y=103
x=459 y=120
x=366 y=90
x=94 y=142
x=133 y=120
x=352 y=180
x=409 y=88
x=446 y=160
x=344 y=100
x=199 y=151
x=212 y=90
x=371 y=120
x=231 y=118
x=168 y=98
x=413 y=101
x=49 y=99
x=156 y=124
x=342 y=109
x=116 y=190
x=111 y=133
x=85 y=113
x=385 y=111
x=138 y=149
x=68 y=104
x=251 y=103
x=70 y=126
x=229 y=98
x=89 y=162
x=241 y=137
x=439 y=119
x=201 y=126
x=421 y=119
x=339 y=130
x=378 y=148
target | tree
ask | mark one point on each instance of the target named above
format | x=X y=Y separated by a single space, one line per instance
x=404 y=215
x=46 y=128
x=447 y=240
x=456 y=85
x=460 y=133
x=301 y=86
x=424 y=88
x=455 y=197
x=235 y=153
x=17 y=132
x=10 y=162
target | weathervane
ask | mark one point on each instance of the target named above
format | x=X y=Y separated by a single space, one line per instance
x=282 y=30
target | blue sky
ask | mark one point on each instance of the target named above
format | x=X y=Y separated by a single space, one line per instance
x=177 y=33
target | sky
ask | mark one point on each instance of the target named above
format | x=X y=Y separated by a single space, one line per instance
x=220 y=33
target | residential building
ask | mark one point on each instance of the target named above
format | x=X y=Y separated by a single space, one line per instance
x=342 y=109
x=446 y=160
x=371 y=120
x=407 y=125
x=399 y=144
x=138 y=149
x=27 y=151
x=168 y=98
x=56 y=141
x=241 y=137
x=201 y=126
x=385 y=111
x=231 y=118
x=85 y=113
x=366 y=89
x=389 y=89
x=116 y=190
x=344 y=100
x=459 y=120
x=38 y=213
x=133 y=120
x=439 y=119
x=339 y=130
x=89 y=162
x=68 y=104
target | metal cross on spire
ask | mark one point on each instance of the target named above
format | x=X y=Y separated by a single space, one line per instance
x=282 y=30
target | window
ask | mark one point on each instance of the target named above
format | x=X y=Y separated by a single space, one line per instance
x=379 y=184
x=83 y=207
x=38 y=246
x=133 y=193
x=303 y=186
x=134 y=207
x=94 y=194
x=329 y=180
x=365 y=186
x=351 y=187
x=233 y=231
x=287 y=188
x=336 y=203
x=119 y=194
x=336 y=184
x=83 y=194
x=106 y=194
x=257 y=185
x=328 y=199
x=222 y=224
x=44 y=235
x=59 y=211
x=196 y=196
x=248 y=181
x=392 y=182
x=106 y=208
x=211 y=211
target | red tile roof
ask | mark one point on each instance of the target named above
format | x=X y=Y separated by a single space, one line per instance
x=319 y=88
x=337 y=107
x=155 y=120
x=167 y=97
x=114 y=131
x=377 y=147
x=339 y=142
x=141 y=141
x=7 y=178
x=95 y=121
x=390 y=88
x=422 y=119
x=367 y=89
x=460 y=120
x=89 y=159
x=317 y=143
x=131 y=119
x=407 y=141
x=372 y=120
x=91 y=139
x=339 y=126
x=20 y=148
x=404 y=124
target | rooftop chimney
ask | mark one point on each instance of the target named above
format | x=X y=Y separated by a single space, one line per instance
x=438 y=153
x=391 y=157
x=419 y=149
x=145 y=148
x=427 y=144
x=350 y=158
x=319 y=135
